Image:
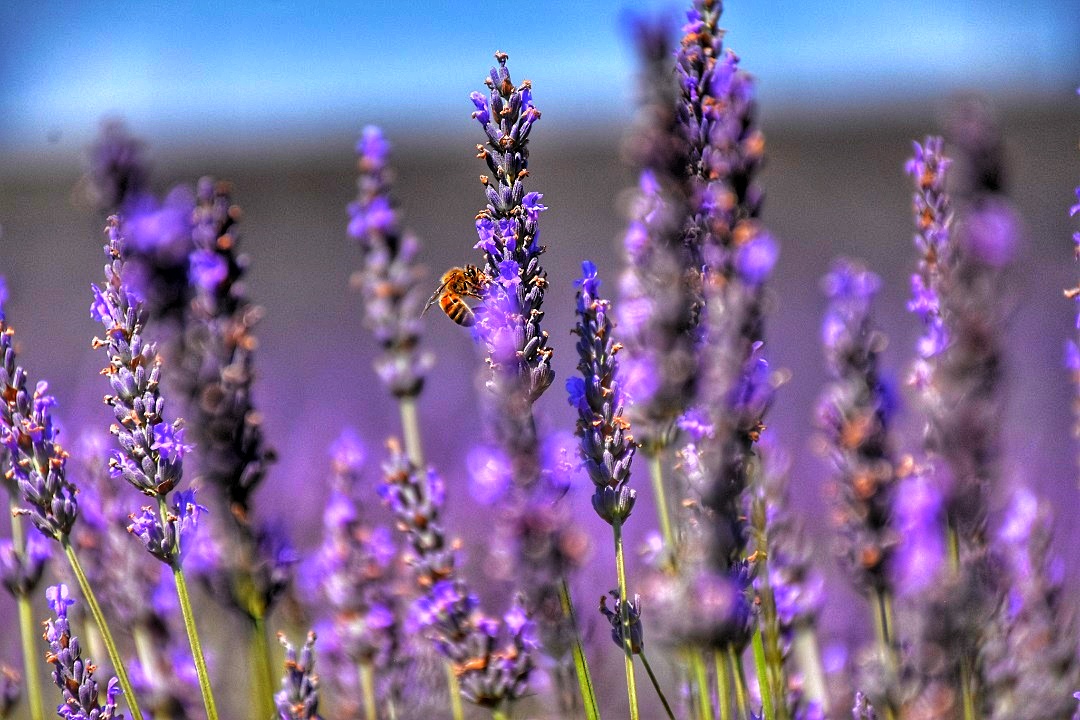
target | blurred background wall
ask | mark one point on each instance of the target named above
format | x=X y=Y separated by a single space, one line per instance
x=273 y=96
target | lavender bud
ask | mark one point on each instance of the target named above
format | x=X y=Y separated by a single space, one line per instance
x=20 y=572
x=71 y=673
x=633 y=611
x=298 y=698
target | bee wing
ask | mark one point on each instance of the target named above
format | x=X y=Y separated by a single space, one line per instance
x=435 y=296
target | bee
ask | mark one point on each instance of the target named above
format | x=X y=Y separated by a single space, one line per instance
x=456 y=285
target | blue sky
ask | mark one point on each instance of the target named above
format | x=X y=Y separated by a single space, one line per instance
x=205 y=71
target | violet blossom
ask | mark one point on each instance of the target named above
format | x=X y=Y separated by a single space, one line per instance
x=298 y=698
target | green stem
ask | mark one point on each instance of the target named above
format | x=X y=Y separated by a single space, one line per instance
x=967 y=677
x=103 y=628
x=410 y=428
x=262 y=667
x=656 y=685
x=193 y=639
x=762 y=669
x=723 y=685
x=624 y=616
x=656 y=472
x=581 y=664
x=881 y=609
x=30 y=662
x=808 y=656
x=499 y=714
x=454 y=689
x=701 y=679
x=367 y=685
x=27 y=628
x=740 y=682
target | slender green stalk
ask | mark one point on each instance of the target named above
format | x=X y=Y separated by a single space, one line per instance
x=723 y=685
x=740 y=682
x=367 y=686
x=967 y=677
x=764 y=683
x=262 y=668
x=624 y=616
x=27 y=629
x=697 y=668
x=103 y=628
x=196 y=646
x=452 y=686
x=410 y=428
x=581 y=664
x=656 y=473
x=656 y=685
x=30 y=661
x=881 y=609
x=808 y=656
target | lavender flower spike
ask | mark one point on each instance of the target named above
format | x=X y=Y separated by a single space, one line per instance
x=71 y=673
x=509 y=324
x=152 y=449
x=38 y=462
x=606 y=444
x=389 y=274
x=298 y=698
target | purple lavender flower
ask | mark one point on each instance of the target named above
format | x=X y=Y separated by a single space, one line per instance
x=607 y=447
x=863 y=710
x=1029 y=660
x=854 y=414
x=509 y=324
x=10 y=690
x=116 y=169
x=165 y=539
x=29 y=437
x=298 y=698
x=151 y=455
x=637 y=632
x=389 y=274
x=448 y=614
x=20 y=572
x=73 y=675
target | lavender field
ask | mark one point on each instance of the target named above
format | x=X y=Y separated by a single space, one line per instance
x=792 y=397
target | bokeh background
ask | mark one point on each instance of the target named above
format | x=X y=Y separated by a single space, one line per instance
x=273 y=95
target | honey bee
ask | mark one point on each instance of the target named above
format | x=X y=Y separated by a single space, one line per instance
x=456 y=285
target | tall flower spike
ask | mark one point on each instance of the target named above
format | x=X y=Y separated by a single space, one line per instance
x=448 y=613
x=389 y=274
x=606 y=444
x=71 y=673
x=152 y=449
x=1030 y=661
x=534 y=526
x=509 y=237
x=37 y=461
x=298 y=698
x=854 y=414
x=660 y=289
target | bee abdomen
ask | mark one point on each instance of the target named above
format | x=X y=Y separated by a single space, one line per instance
x=458 y=311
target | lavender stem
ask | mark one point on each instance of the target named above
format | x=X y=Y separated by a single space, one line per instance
x=262 y=668
x=723 y=685
x=581 y=665
x=624 y=615
x=656 y=685
x=410 y=428
x=367 y=685
x=30 y=663
x=27 y=626
x=740 y=683
x=454 y=688
x=656 y=472
x=192 y=633
x=103 y=627
x=764 y=677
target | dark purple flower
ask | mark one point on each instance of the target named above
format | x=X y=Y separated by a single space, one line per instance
x=614 y=616
x=20 y=572
x=168 y=539
x=207 y=270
